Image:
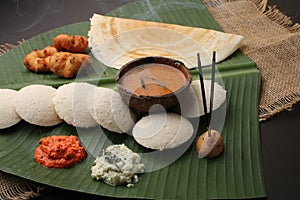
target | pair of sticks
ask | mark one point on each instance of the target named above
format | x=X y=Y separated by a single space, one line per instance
x=212 y=88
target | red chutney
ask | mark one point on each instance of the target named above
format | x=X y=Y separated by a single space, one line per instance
x=59 y=151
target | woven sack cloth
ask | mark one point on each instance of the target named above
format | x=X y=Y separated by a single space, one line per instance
x=272 y=41
x=13 y=187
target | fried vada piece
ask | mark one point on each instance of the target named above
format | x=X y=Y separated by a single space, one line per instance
x=74 y=43
x=35 y=60
x=210 y=146
x=67 y=65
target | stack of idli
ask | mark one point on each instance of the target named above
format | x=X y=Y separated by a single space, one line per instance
x=78 y=103
x=9 y=116
x=109 y=110
x=162 y=131
x=33 y=104
x=71 y=104
x=85 y=105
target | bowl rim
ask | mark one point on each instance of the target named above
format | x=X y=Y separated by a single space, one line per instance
x=124 y=69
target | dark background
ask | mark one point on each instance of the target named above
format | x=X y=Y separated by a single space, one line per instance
x=280 y=135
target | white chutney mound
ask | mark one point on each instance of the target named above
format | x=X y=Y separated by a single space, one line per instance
x=71 y=104
x=109 y=110
x=8 y=116
x=33 y=104
x=162 y=131
x=118 y=165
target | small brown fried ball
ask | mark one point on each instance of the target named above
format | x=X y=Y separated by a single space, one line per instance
x=67 y=65
x=74 y=43
x=35 y=60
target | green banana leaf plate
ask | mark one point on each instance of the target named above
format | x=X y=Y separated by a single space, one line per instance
x=237 y=173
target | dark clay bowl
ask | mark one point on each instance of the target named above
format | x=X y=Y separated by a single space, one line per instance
x=144 y=103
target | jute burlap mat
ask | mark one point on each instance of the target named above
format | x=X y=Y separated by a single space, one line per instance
x=13 y=187
x=272 y=41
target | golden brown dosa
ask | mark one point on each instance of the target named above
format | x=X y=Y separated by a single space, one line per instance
x=115 y=41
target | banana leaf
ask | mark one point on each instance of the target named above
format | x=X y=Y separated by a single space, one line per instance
x=237 y=173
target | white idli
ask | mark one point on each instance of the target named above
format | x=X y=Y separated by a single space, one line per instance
x=9 y=116
x=70 y=104
x=162 y=131
x=191 y=104
x=33 y=104
x=109 y=110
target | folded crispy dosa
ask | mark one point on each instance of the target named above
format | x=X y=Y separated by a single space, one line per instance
x=115 y=41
